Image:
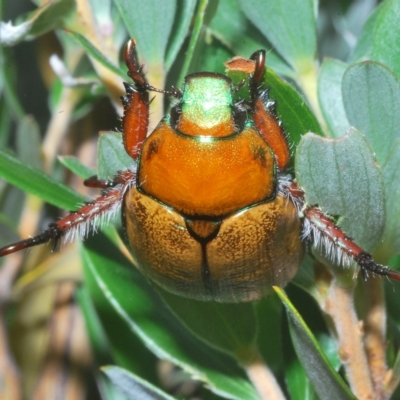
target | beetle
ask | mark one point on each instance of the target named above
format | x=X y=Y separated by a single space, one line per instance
x=210 y=211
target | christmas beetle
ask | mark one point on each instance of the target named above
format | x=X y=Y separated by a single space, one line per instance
x=210 y=211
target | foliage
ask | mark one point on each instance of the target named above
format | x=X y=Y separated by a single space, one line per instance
x=131 y=324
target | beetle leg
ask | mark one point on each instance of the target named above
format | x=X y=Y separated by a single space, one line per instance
x=95 y=182
x=270 y=128
x=90 y=217
x=265 y=117
x=322 y=231
x=136 y=105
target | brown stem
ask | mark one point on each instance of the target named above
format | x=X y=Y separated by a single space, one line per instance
x=339 y=306
x=375 y=333
x=263 y=380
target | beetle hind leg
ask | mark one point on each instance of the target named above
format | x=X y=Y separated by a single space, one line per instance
x=320 y=230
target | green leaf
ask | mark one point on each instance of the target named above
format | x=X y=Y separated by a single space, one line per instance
x=28 y=142
x=269 y=314
x=230 y=26
x=75 y=166
x=183 y=18
x=125 y=348
x=133 y=386
x=326 y=381
x=230 y=328
x=34 y=181
x=330 y=96
x=136 y=302
x=296 y=116
x=390 y=244
x=364 y=45
x=93 y=52
x=371 y=96
x=42 y=20
x=150 y=23
x=195 y=44
x=111 y=155
x=386 y=38
x=98 y=339
x=299 y=386
x=341 y=176
x=278 y=21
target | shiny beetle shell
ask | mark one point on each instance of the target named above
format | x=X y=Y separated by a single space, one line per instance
x=205 y=219
x=254 y=249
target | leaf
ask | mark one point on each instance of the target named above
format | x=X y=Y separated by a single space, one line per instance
x=299 y=386
x=34 y=181
x=330 y=96
x=151 y=26
x=93 y=52
x=278 y=21
x=111 y=155
x=326 y=381
x=371 y=96
x=296 y=116
x=386 y=38
x=121 y=346
x=341 y=176
x=136 y=302
x=230 y=328
x=183 y=18
x=390 y=244
x=28 y=142
x=364 y=45
x=195 y=44
x=133 y=386
x=233 y=29
x=76 y=167
x=42 y=20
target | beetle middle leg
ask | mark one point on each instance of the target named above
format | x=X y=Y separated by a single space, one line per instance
x=87 y=218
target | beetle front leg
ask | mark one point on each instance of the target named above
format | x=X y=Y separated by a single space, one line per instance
x=135 y=121
x=89 y=217
x=321 y=230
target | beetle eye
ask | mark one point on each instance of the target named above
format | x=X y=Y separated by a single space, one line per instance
x=175 y=114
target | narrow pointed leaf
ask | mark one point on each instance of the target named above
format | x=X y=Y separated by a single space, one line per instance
x=133 y=386
x=326 y=381
x=97 y=55
x=34 y=181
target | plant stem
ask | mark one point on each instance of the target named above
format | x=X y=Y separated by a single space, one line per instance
x=339 y=306
x=263 y=380
x=375 y=332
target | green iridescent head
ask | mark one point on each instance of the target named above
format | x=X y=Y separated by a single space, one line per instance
x=206 y=105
